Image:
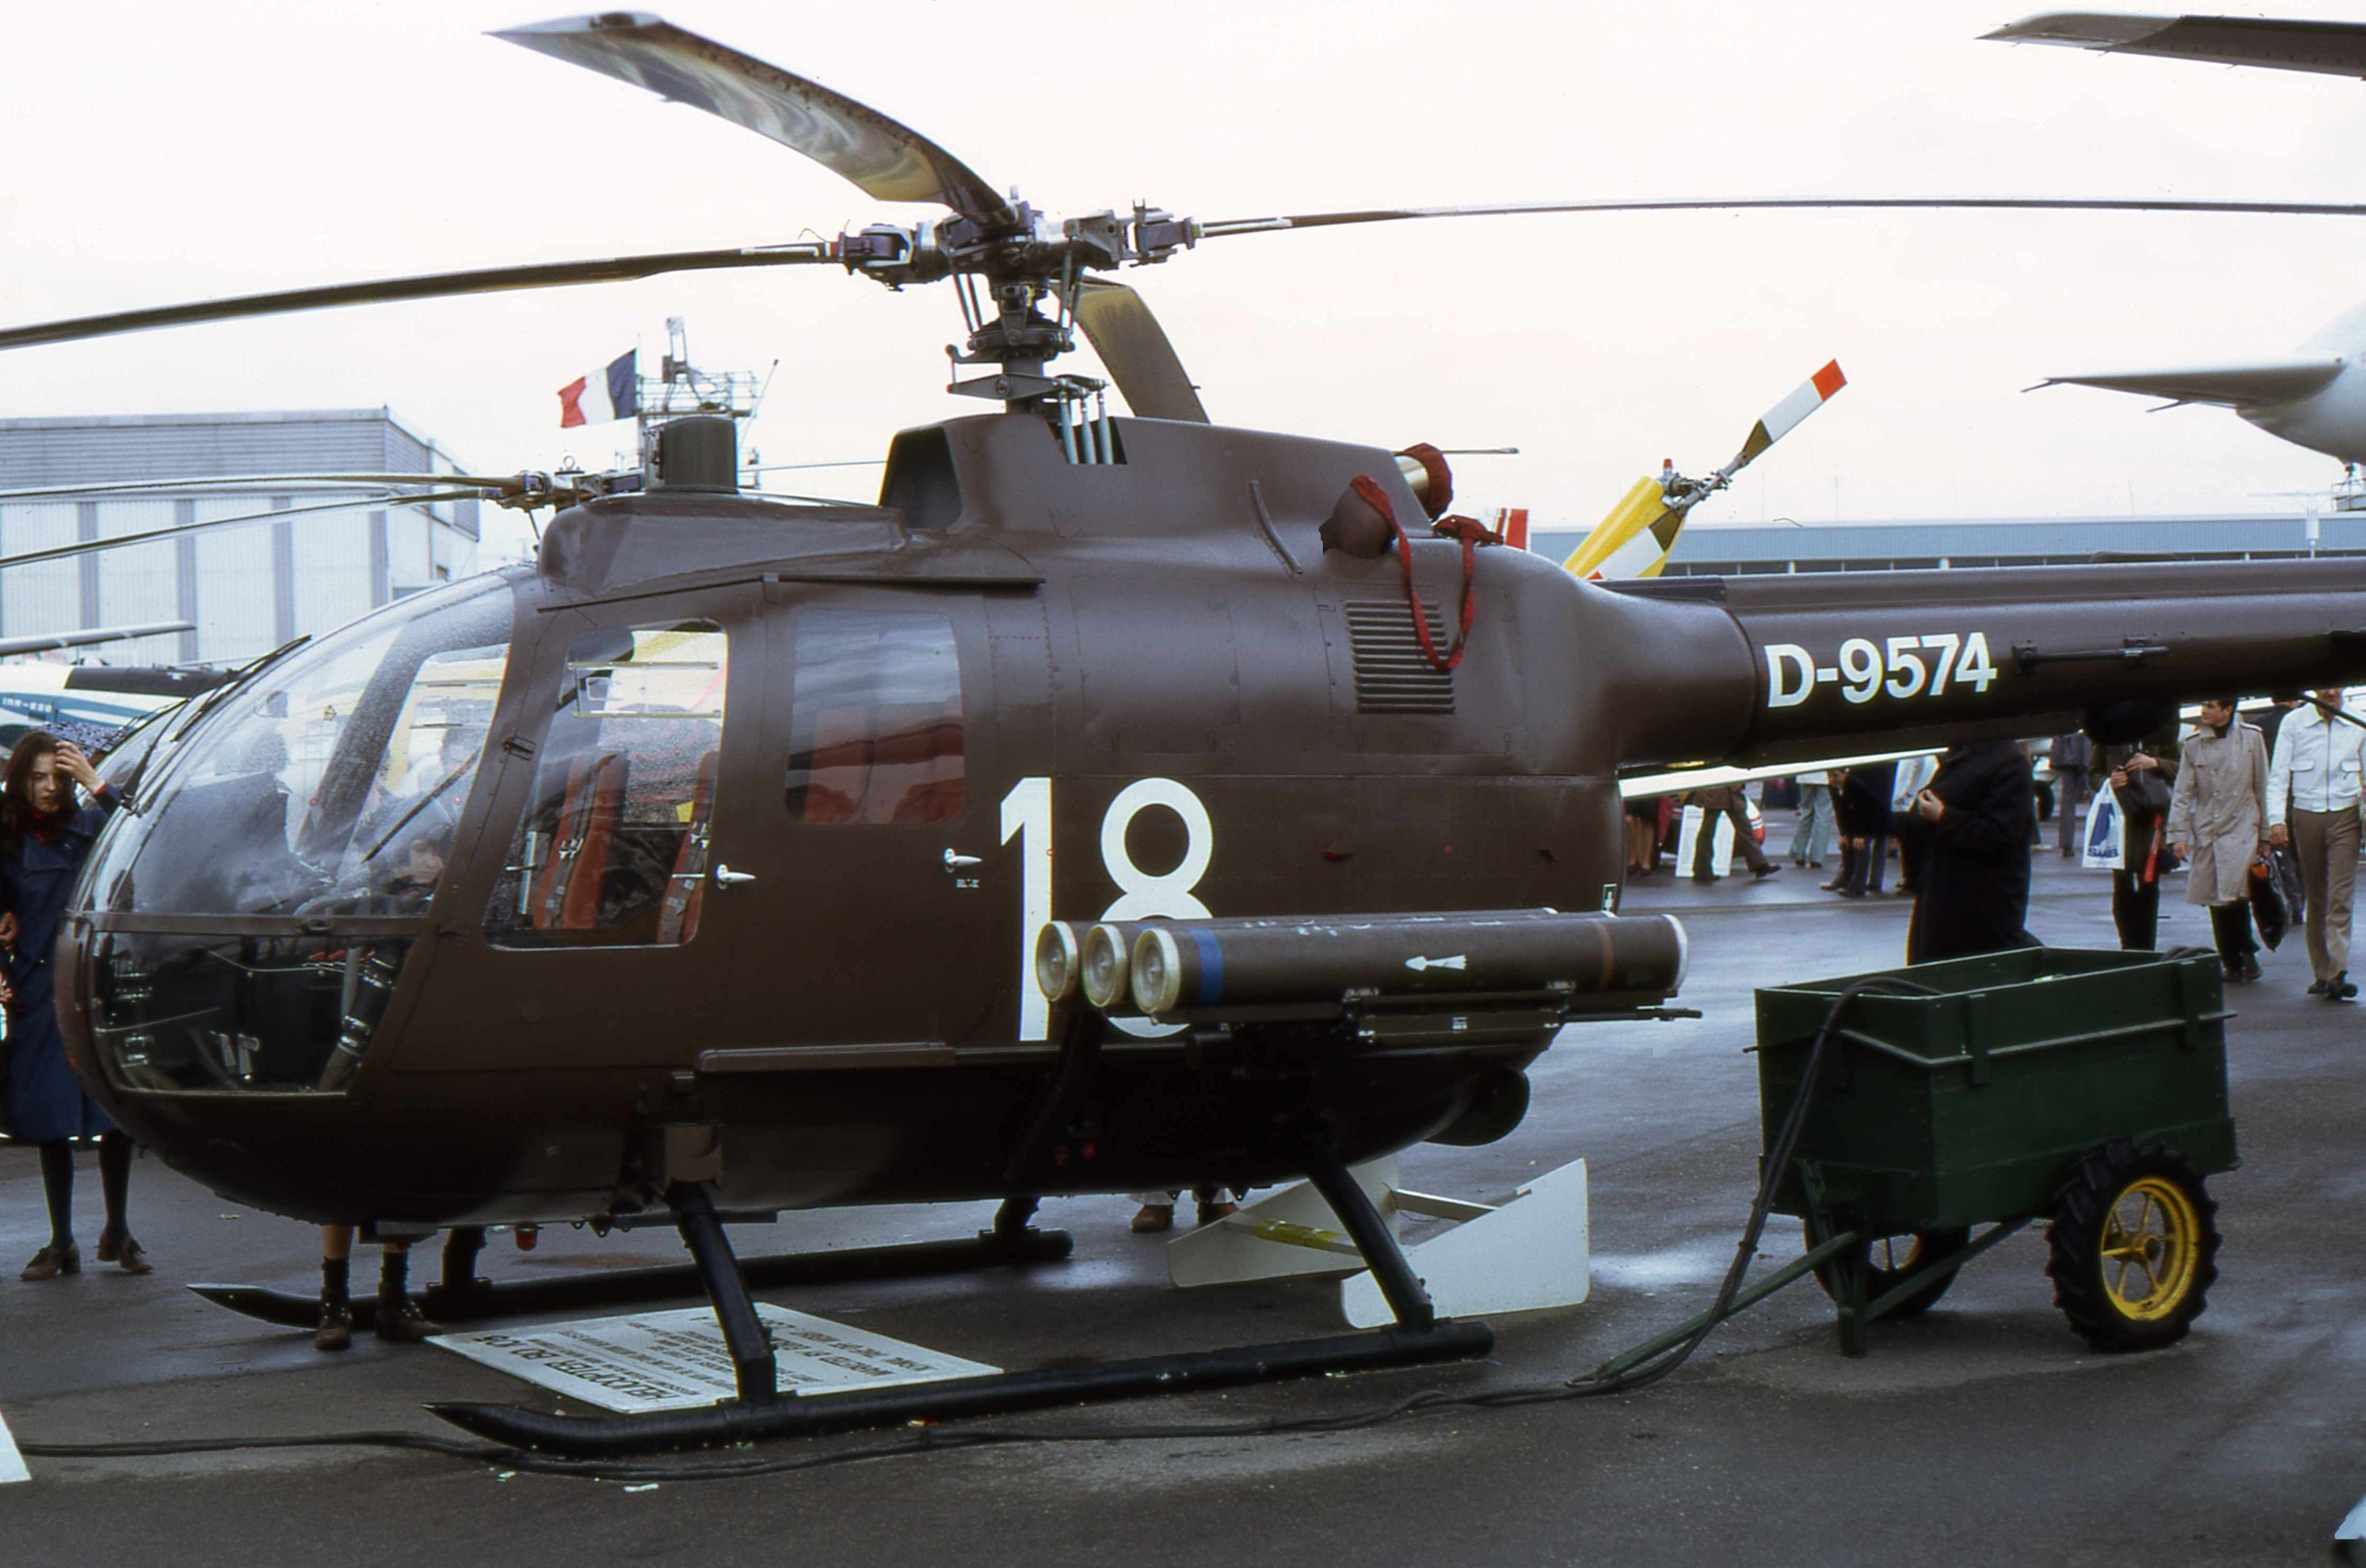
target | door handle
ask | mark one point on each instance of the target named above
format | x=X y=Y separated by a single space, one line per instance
x=726 y=877
x=956 y=862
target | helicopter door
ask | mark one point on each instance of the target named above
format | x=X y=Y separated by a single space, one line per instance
x=869 y=922
x=599 y=929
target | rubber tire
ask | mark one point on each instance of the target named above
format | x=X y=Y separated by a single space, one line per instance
x=1878 y=1280
x=2074 y=1246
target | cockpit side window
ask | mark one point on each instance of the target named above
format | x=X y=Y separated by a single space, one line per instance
x=875 y=720
x=611 y=850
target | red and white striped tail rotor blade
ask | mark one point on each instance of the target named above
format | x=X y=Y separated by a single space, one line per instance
x=1780 y=420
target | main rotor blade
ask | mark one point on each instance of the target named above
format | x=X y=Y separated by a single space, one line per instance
x=888 y=160
x=292 y=482
x=426 y=286
x=149 y=536
x=2332 y=49
x=1149 y=374
x=1718 y=204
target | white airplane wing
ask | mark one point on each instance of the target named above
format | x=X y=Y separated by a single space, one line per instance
x=2236 y=385
x=2332 y=49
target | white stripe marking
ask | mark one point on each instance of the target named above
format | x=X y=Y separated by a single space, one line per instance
x=1784 y=415
x=11 y=1464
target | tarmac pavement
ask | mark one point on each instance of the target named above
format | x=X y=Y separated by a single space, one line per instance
x=1984 y=1433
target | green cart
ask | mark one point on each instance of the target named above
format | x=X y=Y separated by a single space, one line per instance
x=2087 y=1089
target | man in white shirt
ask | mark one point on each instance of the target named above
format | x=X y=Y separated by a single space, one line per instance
x=2313 y=804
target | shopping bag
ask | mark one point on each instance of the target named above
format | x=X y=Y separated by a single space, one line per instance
x=2288 y=880
x=2269 y=910
x=2106 y=836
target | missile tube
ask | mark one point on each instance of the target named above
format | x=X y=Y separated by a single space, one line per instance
x=1210 y=967
x=1107 y=960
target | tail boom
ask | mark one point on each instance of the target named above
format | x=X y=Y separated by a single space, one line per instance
x=1835 y=660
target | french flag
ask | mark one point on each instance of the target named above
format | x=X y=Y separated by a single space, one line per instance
x=603 y=395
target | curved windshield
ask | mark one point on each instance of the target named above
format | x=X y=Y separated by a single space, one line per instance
x=126 y=757
x=333 y=782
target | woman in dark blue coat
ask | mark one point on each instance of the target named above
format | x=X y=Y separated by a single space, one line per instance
x=44 y=839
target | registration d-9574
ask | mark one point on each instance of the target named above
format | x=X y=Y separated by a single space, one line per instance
x=1925 y=664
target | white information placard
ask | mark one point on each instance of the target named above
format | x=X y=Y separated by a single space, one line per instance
x=675 y=1360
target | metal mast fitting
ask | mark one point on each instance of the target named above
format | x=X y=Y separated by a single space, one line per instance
x=682 y=390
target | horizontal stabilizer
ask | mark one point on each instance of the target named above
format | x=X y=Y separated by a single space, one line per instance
x=2333 y=49
x=2236 y=385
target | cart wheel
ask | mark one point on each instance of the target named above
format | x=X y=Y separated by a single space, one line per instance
x=1891 y=1260
x=2134 y=1247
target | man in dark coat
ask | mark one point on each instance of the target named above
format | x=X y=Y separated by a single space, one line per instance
x=1982 y=810
x=1862 y=808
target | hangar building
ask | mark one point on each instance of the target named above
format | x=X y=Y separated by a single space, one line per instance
x=248 y=589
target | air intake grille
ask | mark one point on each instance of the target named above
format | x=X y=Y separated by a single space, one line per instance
x=1392 y=675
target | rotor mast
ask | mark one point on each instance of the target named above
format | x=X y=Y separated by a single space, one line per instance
x=1006 y=267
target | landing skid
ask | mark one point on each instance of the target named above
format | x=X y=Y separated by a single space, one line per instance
x=760 y=1411
x=461 y=1297
x=745 y=1420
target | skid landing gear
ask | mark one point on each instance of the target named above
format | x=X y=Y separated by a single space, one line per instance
x=757 y=1412
x=460 y=1296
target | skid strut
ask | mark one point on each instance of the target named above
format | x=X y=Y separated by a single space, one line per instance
x=753 y=1367
x=460 y=1297
x=1415 y=1340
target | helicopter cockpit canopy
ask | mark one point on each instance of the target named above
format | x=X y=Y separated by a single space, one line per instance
x=308 y=791
x=253 y=909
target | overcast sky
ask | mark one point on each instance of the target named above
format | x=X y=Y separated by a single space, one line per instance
x=156 y=152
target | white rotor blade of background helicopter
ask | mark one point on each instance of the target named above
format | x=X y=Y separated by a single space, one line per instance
x=44 y=643
x=426 y=286
x=351 y=504
x=1277 y=224
x=1119 y=324
x=888 y=160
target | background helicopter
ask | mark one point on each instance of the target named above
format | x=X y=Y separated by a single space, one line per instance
x=704 y=864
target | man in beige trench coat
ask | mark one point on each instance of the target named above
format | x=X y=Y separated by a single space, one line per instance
x=2217 y=823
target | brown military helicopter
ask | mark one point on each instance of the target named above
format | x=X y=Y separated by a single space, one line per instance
x=740 y=856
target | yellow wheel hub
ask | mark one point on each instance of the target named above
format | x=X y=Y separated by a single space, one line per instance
x=2147 y=1246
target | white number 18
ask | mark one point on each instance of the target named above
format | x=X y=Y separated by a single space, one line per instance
x=1142 y=895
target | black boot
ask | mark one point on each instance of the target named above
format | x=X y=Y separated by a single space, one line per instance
x=398 y=1318
x=2230 y=928
x=337 y=1330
